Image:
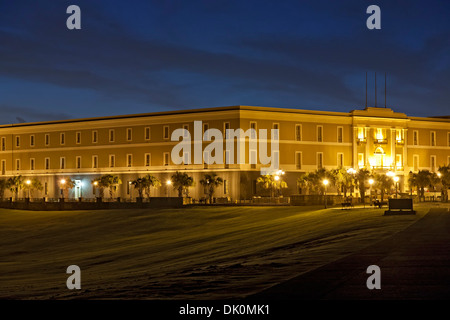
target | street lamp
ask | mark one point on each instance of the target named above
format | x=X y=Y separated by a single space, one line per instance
x=63 y=182
x=325 y=183
x=168 y=183
x=28 y=182
x=371 y=183
x=396 y=183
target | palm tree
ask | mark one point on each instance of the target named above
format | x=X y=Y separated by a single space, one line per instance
x=338 y=179
x=149 y=182
x=111 y=182
x=445 y=181
x=3 y=186
x=181 y=181
x=385 y=184
x=271 y=183
x=15 y=184
x=361 y=177
x=412 y=182
x=66 y=184
x=303 y=182
x=139 y=184
x=422 y=180
x=211 y=182
x=34 y=184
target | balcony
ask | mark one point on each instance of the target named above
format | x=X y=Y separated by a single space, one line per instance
x=380 y=141
x=400 y=142
x=361 y=140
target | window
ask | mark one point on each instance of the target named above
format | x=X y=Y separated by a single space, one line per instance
x=17 y=164
x=186 y=130
x=166 y=158
x=129 y=160
x=32 y=140
x=166 y=132
x=47 y=139
x=276 y=126
x=398 y=161
x=147 y=133
x=45 y=188
x=62 y=163
x=298 y=160
x=225 y=186
x=227 y=159
x=448 y=139
x=319 y=160
x=129 y=134
x=399 y=135
x=128 y=187
x=148 y=159
x=112 y=161
x=78 y=162
x=379 y=134
x=94 y=162
x=47 y=163
x=111 y=135
x=32 y=164
x=17 y=141
x=361 y=134
x=340 y=134
x=254 y=127
x=340 y=160
x=360 y=160
x=416 y=162
x=432 y=163
x=253 y=159
x=3 y=167
x=226 y=126
x=205 y=128
x=298 y=132
x=94 y=136
x=62 y=138
x=78 y=137
x=319 y=133
x=415 y=138
x=3 y=147
x=433 y=138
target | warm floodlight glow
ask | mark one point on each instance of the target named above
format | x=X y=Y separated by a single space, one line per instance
x=390 y=174
x=325 y=182
x=370 y=181
x=63 y=181
x=351 y=171
x=277 y=178
x=439 y=174
x=28 y=182
x=95 y=183
x=396 y=179
x=168 y=182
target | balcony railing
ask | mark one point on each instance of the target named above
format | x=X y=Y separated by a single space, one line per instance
x=400 y=142
x=380 y=141
x=361 y=140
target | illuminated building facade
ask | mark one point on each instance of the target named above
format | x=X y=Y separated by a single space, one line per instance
x=133 y=145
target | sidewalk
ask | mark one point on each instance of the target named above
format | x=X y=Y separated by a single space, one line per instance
x=414 y=263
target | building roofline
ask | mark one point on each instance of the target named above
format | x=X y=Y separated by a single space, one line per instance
x=358 y=113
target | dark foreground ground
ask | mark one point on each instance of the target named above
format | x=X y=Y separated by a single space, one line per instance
x=414 y=264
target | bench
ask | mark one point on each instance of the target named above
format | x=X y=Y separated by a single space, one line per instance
x=346 y=204
x=379 y=204
x=400 y=206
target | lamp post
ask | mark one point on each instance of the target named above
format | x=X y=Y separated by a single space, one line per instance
x=168 y=183
x=129 y=190
x=396 y=183
x=325 y=183
x=63 y=182
x=370 y=183
x=28 y=182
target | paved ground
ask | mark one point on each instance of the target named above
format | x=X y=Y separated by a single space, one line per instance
x=414 y=263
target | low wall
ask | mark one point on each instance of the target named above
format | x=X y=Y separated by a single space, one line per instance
x=313 y=199
x=155 y=202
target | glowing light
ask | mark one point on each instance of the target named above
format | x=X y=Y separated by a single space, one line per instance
x=439 y=174
x=371 y=181
x=390 y=174
x=351 y=171
x=63 y=181
x=325 y=182
x=28 y=182
x=95 y=183
x=168 y=182
x=396 y=179
x=277 y=178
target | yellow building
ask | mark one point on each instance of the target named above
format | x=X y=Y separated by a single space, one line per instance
x=134 y=145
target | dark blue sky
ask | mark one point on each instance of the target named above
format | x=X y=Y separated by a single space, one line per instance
x=144 y=56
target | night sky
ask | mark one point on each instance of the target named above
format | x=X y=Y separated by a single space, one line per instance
x=143 y=56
